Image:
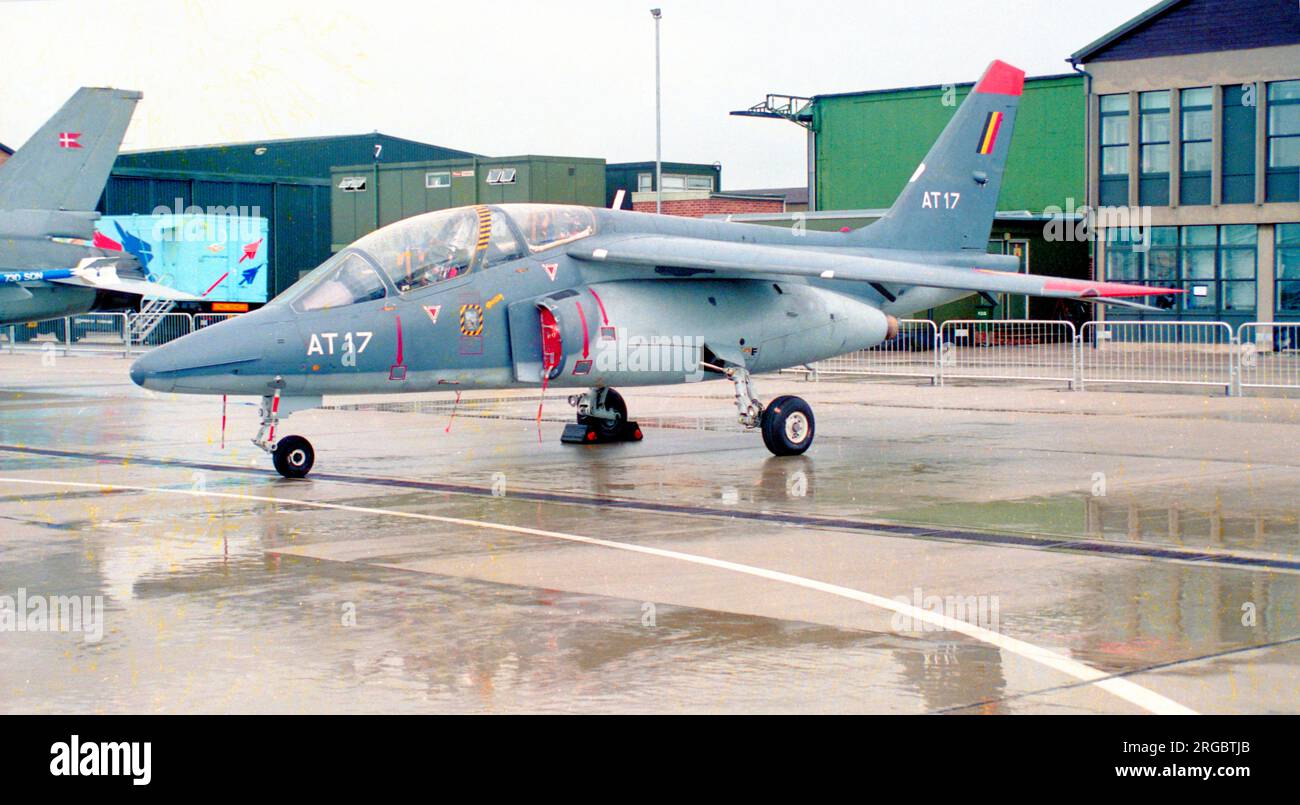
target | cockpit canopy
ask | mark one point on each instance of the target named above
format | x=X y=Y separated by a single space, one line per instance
x=436 y=247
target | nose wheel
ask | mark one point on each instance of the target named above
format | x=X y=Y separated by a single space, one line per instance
x=293 y=457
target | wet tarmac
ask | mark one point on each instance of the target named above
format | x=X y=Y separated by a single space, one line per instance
x=989 y=549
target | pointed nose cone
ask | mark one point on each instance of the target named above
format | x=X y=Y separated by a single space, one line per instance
x=211 y=360
x=142 y=370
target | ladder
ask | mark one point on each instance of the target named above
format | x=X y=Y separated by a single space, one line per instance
x=147 y=320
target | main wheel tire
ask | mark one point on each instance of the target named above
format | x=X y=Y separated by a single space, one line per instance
x=293 y=457
x=788 y=426
x=607 y=427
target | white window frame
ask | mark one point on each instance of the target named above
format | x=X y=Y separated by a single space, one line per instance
x=431 y=180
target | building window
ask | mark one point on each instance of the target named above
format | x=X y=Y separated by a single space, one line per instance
x=1153 y=162
x=1216 y=266
x=645 y=182
x=1114 y=150
x=438 y=180
x=1283 y=183
x=699 y=182
x=1239 y=144
x=1198 y=153
x=1197 y=257
x=501 y=176
x=674 y=182
x=1288 y=269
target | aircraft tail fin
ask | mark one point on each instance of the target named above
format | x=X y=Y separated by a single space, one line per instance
x=65 y=164
x=950 y=201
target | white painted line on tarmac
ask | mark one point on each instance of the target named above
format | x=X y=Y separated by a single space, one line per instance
x=1130 y=692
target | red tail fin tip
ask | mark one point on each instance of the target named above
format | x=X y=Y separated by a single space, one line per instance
x=1002 y=79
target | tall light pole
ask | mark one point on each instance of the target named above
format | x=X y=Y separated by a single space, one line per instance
x=659 y=165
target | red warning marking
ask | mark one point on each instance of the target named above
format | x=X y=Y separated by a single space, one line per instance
x=583 y=317
x=550 y=269
x=432 y=310
x=603 y=318
x=398 y=371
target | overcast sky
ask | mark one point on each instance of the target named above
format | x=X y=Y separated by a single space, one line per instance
x=569 y=77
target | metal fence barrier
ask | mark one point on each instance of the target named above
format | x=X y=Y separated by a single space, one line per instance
x=1008 y=349
x=912 y=353
x=97 y=332
x=1158 y=352
x=202 y=320
x=151 y=331
x=1268 y=355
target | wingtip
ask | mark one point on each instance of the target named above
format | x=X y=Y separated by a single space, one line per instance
x=1001 y=79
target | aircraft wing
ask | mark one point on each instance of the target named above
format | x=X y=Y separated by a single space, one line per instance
x=707 y=257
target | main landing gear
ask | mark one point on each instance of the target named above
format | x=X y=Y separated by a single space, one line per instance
x=602 y=418
x=786 y=423
x=292 y=456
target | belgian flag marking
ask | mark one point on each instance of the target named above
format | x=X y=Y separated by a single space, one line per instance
x=989 y=134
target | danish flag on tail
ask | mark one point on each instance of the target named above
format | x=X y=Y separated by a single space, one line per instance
x=68 y=139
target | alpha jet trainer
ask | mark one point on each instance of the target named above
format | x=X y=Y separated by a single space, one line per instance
x=528 y=295
x=49 y=263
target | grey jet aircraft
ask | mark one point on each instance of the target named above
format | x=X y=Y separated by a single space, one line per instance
x=529 y=295
x=49 y=265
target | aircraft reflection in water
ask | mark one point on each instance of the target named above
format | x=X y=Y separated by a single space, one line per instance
x=525 y=295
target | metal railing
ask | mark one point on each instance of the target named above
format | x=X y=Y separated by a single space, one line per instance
x=161 y=328
x=97 y=332
x=202 y=320
x=1268 y=355
x=997 y=349
x=912 y=353
x=104 y=332
x=1258 y=355
x=1158 y=352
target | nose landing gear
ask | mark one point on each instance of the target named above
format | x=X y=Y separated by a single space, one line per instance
x=602 y=418
x=293 y=456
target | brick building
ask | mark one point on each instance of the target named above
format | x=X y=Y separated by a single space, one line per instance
x=700 y=203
